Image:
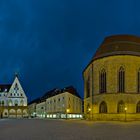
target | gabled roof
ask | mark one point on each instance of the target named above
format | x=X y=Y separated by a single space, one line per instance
x=55 y=92
x=50 y=94
x=5 y=87
x=71 y=90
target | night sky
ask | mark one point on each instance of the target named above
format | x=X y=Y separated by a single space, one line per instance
x=50 y=42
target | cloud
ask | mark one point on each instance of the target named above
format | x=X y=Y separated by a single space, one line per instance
x=51 y=42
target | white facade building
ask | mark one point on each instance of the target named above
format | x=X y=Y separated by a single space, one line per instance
x=63 y=104
x=13 y=101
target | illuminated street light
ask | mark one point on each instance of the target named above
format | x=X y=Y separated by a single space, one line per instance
x=125 y=112
x=67 y=111
x=89 y=109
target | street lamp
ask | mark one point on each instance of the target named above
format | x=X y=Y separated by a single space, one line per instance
x=125 y=112
x=67 y=111
x=89 y=110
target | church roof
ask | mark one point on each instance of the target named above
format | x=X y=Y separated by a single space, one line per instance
x=117 y=45
x=5 y=87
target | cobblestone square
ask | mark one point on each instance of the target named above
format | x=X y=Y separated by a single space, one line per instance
x=35 y=129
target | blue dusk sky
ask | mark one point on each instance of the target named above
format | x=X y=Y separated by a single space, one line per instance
x=50 y=42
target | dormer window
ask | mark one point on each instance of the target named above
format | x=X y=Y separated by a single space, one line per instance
x=16 y=88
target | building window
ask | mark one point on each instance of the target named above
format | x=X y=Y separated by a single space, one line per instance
x=16 y=88
x=88 y=107
x=120 y=108
x=138 y=76
x=16 y=102
x=102 y=81
x=88 y=87
x=138 y=107
x=2 y=103
x=121 y=80
x=10 y=103
x=21 y=103
x=103 y=107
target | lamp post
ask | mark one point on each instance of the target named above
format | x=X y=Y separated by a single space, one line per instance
x=67 y=111
x=89 y=110
x=125 y=112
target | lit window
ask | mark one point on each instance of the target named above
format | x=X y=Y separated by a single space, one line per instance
x=54 y=116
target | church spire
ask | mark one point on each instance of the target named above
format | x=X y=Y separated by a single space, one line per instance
x=16 y=74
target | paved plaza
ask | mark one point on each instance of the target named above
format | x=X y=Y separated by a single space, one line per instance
x=34 y=129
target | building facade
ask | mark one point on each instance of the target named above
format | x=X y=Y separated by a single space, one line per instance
x=112 y=80
x=59 y=103
x=13 y=101
x=32 y=108
x=41 y=109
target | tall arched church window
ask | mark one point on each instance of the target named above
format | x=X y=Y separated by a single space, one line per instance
x=102 y=81
x=138 y=82
x=88 y=87
x=121 y=80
